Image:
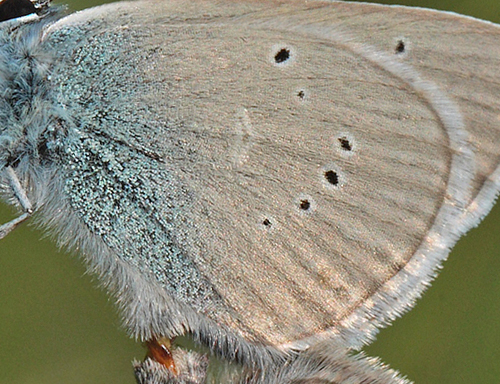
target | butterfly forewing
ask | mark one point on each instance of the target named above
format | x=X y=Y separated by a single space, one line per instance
x=283 y=177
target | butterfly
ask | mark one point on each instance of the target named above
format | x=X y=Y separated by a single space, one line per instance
x=243 y=118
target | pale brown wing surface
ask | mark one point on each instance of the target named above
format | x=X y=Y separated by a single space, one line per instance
x=460 y=55
x=310 y=168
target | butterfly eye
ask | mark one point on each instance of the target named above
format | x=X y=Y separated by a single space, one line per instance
x=12 y=9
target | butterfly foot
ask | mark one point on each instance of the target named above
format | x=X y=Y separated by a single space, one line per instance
x=166 y=366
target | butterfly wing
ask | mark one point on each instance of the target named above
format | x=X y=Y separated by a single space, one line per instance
x=261 y=164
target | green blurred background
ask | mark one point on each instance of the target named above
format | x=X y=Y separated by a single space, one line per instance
x=57 y=326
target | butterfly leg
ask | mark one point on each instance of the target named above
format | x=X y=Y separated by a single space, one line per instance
x=23 y=200
x=190 y=368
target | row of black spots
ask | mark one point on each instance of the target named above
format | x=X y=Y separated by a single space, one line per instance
x=304 y=205
x=332 y=178
x=283 y=55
